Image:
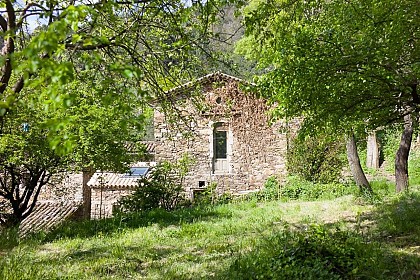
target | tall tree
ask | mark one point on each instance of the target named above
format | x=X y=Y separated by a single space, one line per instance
x=72 y=86
x=339 y=64
x=31 y=153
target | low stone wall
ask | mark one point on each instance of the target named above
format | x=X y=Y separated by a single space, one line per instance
x=63 y=188
x=103 y=201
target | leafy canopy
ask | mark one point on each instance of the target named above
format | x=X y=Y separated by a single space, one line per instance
x=336 y=63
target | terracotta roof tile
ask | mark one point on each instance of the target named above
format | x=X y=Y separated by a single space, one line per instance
x=47 y=215
x=150 y=146
x=116 y=180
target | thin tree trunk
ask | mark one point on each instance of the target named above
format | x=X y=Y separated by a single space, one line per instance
x=401 y=158
x=372 y=151
x=87 y=174
x=355 y=167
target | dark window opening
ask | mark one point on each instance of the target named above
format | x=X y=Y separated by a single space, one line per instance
x=220 y=144
x=201 y=184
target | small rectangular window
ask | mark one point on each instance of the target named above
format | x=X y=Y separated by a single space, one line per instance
x=220 y=144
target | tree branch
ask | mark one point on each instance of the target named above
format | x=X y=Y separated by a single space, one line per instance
x=25 y=15
x=3 y=23
x=87 y=48
x=9 y=47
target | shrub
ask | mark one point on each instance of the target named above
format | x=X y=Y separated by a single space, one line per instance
x=210 y=196
x=162 y=189
x=316 y=159
x=297 y=188
x=313 y=253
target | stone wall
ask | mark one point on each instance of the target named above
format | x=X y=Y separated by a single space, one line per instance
x=63 y=187
x=103 y=201
x=255 y=150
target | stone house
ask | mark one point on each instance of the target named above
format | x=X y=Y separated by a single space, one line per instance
x=225 y=130
x=221 y=125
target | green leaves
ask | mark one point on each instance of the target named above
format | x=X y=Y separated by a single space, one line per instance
x=338 y=64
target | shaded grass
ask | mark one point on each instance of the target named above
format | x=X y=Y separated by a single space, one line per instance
x=331 y=239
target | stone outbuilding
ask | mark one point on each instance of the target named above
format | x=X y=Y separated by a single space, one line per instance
x=107 y=188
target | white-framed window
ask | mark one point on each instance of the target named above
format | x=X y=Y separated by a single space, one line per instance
x=220 y=148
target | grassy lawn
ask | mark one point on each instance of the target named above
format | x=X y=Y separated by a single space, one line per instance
x=342 y=238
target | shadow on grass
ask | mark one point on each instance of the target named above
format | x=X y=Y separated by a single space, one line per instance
x=398 y=220
x=90 y=228
x=388 y=250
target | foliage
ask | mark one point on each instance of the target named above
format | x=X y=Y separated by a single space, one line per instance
x=321 y=66
x=29 y=151
x=314 y=253
x=72 y=89
x=297 y=188
x=162 y=189
x=398 y=218
x=390 y=140
x=316 y=159
x=210 y=196
x=206 y=197
x=320 y=63
x=337 y=239
x=414 y=167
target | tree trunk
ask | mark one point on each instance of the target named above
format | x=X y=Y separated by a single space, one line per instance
x=401 y=158
x=372 y=157
x=87 y=174
x=355 y=167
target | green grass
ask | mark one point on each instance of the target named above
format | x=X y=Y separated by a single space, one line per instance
x=326 y=239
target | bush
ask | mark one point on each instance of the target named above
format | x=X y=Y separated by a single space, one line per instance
x=315 y=252
x=316 y=159
x=9 y=237
x=297 y=188
x=209 y=196
x=162 y=189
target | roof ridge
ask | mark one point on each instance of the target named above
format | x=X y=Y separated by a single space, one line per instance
x=210 y=75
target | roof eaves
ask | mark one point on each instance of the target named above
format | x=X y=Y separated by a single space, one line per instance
x=206 y=78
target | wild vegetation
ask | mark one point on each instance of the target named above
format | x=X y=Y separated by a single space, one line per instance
x=76 y=87
x=295 y=229
x=341 y=238
x=76 y=78
x=342 y=66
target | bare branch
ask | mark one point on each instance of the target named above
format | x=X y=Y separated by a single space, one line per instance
x=23 y=13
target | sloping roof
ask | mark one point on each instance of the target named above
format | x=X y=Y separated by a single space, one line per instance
x=207 y=78
x=112 y=180
x=116 y=180
x=47 y=215
x=150 y=146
